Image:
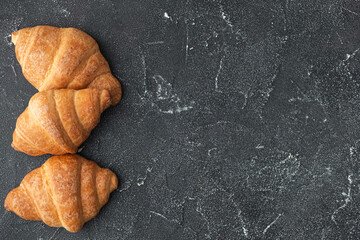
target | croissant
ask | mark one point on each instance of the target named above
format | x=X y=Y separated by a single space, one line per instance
x=56 y=58
x=66 y=191
x=58 y=121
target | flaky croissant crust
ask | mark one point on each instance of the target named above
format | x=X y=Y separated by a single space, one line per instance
x=66 y=191
x=58 y=121
x=57 y=58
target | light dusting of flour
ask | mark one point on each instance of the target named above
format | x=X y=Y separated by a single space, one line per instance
x=59 y=9
x=8 y=39
x=64 y=12
x=9 y=26
x=166 y=100
x=167 y=16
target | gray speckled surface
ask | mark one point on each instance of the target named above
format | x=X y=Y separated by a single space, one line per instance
x=240 y=119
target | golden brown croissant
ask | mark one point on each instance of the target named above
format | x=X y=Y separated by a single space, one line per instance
x=58 y=121
x=56 y=58
x=66 y=191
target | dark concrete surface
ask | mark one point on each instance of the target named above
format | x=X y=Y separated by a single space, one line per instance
x=240 y=119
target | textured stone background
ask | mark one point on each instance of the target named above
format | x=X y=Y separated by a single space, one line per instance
x=240 y=119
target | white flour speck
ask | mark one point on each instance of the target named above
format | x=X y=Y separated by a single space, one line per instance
x=64 y=12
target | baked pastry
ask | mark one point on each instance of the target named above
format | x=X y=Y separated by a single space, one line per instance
x=56 y=58
x=66 y=191
x=58 y=121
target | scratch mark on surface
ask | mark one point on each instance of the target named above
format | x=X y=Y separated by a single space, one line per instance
x=126 y=187
x=246 y=96
x=218 y=73
x=226 y=18
x=228 y=22
x=52 y=236
x=141 y=180
x=155 y=43
x=12 y=67
x=160 y=215
x=348 y=10
x=323 y=234
x=340 y=39
x=143 y=63
x=245 y=230
x=347 y=199
x=259 y=146
x=177 y=110
x=199 y=210
x=351 y=55
x=272 y=223
x=239 y=214
x=163 y=217
x=352 y=151
x=187 y=42
x=305 y=99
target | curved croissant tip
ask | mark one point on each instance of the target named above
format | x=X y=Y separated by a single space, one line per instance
x=114 y=182
x=7 y=204
x=105 y=99
x=116 y=96
x=14 y=147
x=14 y=37
x=74 y=229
